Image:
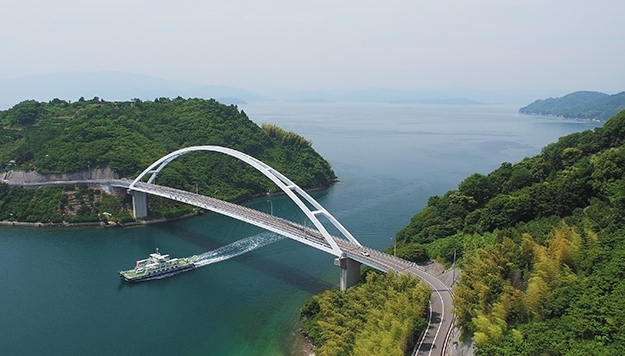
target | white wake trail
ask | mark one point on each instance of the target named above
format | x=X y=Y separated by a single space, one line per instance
x=237 y=248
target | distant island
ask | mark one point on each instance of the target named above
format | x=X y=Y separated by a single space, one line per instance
x=231 y=101
x=447 y=101
x=588 y=105
x=120 y=86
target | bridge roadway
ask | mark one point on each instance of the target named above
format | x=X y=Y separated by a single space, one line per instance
x=440 y=320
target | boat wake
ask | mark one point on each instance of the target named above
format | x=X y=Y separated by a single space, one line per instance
x=237 y=248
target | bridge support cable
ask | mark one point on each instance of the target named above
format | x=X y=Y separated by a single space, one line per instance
x=286 y=185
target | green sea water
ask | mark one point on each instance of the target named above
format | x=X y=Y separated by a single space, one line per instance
x=61 y=294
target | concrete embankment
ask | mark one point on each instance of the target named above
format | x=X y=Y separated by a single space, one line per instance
x=63 y=224
x=31 y=177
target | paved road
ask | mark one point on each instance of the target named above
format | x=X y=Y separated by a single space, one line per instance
x=440 y=319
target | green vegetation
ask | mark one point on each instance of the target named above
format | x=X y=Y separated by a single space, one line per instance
x=65 y=137
x=579 y=105
x=542 y=246
x=69 y=204
x=379 y=317
x=287 y=137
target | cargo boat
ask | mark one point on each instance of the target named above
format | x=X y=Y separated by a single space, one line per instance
x=158 y=266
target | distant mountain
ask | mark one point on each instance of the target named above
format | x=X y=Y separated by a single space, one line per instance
x=232 y=94
x=121 y=86
x=579 y=105
x=112 y=86
x=379 y=95
x=451 y=96
x=231 y=101
x=388 y=95
x=447 y=101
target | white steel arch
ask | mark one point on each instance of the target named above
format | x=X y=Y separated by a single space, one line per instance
x=287 y=186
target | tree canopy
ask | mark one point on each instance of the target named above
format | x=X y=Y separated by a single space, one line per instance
x=381 y=317
x=64 y=137
x=579 y=105
x=541 y=245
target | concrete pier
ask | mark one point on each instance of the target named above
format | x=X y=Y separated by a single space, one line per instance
x=350 y=272
x=139 y=204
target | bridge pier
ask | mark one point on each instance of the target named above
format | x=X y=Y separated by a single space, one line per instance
x=350 y=272
x=139 y=204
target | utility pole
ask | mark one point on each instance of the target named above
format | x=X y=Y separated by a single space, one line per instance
x=271 y=203
x=395 y=246
x=453 y=266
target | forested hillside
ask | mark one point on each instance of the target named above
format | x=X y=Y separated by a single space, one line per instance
x=64 y=137
x=579 y=105
x=542 y=247
x=382 y=316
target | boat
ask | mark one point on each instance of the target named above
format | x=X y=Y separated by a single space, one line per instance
x=158 y=266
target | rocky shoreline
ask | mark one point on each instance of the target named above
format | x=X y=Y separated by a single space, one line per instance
x=105 y=224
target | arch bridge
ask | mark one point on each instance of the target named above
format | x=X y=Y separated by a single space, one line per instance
x=349 y=253
x=286 y=185
x=318 y=238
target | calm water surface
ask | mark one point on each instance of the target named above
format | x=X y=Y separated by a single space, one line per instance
x=61 y=294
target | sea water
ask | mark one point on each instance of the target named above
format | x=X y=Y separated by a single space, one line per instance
x=61 y=294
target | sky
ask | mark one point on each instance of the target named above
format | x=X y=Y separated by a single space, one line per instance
x=340 y=44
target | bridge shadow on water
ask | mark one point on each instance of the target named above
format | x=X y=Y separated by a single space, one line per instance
x=274 y=269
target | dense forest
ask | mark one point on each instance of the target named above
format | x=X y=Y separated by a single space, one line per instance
x=541 y=244
x=589 y=105
x=381 y=316
x=64 y=137
x=542 y=248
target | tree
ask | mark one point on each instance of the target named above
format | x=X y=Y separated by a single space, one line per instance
x=479 y=187
x=24 y=113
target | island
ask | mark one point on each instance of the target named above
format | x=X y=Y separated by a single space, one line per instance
x=94 y=139
x=587 y=105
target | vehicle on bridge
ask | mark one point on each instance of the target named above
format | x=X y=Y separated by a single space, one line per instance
x=158 y=266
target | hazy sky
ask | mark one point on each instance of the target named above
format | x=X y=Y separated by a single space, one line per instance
x=438 y=44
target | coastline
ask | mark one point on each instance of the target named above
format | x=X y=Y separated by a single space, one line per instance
x=104 y=224
x=102 y=179
x=303 y=345
x=563 y=117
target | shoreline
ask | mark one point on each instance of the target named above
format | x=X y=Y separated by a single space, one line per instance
x=110 y=224
x=564 y=117
x=303 y=345
x=107 y=224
